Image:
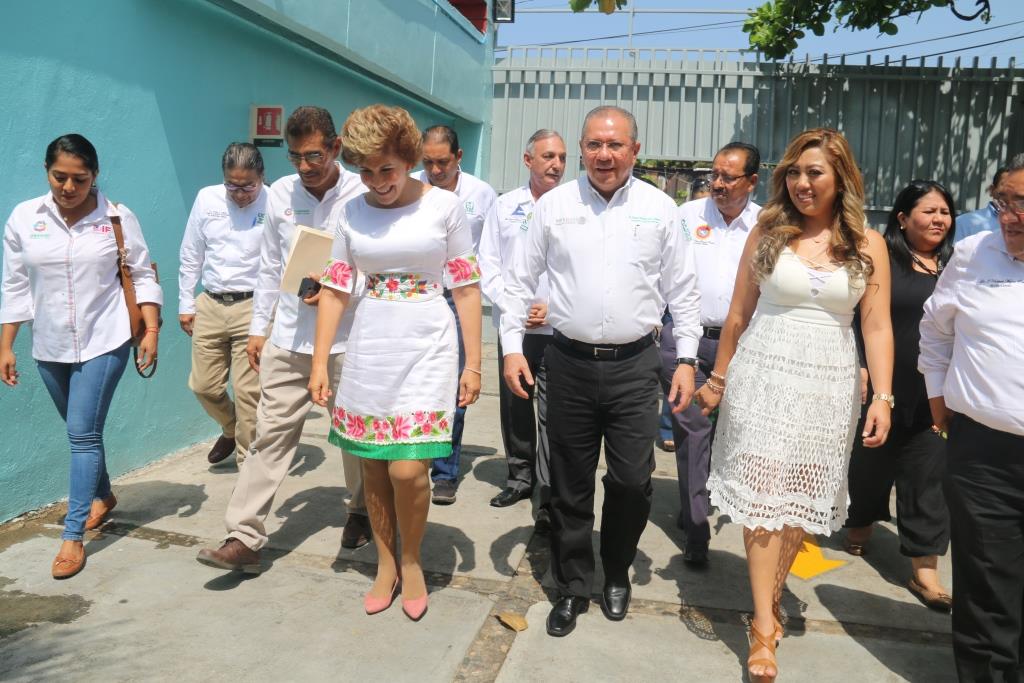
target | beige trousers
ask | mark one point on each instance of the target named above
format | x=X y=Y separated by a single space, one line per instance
x=284 y=404
x=219 y=336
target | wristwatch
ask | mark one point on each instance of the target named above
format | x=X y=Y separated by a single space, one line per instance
x=888 y=398
x=692 y=362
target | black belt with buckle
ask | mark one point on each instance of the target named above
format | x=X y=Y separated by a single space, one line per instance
x=229 y=297
x=712 y=332
x=604 y=351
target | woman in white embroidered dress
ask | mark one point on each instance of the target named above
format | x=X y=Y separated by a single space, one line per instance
x=787 y=365
x=395 y=402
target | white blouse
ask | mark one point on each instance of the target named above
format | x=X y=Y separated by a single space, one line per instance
x=64 y=279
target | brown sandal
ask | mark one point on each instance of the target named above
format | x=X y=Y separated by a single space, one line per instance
x=857 y=544
x=759 y=640
x=936 y=600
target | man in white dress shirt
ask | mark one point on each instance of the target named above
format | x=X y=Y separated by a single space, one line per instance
x=524 y=437
x=614 y=257
x=717 y=228
x=972 y=360
x=441 y=157
x=222 y=246
x=284 y=361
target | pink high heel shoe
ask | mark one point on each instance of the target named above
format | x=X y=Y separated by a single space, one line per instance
x=374 y=605
x=415 y=609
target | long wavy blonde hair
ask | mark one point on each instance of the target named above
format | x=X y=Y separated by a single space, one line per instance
x=780 y=221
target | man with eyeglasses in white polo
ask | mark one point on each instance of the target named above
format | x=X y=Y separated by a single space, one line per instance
x=310 y=197
x=221 y=246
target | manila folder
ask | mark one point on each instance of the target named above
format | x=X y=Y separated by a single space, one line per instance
x=311 y=250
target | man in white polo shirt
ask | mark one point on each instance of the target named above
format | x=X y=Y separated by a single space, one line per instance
x=221 y=245
x=441 y=157
x=717 y=228
x=524 y=437
x=614 y=257
x=284 y=362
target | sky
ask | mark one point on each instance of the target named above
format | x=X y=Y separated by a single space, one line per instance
x=932 y=32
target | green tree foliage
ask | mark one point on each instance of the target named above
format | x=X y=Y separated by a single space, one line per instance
x=606 y=6
x=777 y=25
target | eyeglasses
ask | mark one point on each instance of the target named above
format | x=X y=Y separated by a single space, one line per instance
x=1015 y=206
x=595 y=146
x=726 y=179
x=248 y=189
x=311 y=158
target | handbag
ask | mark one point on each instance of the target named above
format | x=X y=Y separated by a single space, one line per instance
x=136 y=323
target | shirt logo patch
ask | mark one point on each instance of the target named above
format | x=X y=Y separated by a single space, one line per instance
x=469 y=208
x=288 y=212
x=39 y=231
x=703 y=232
x=102 y=229
x=518 y=212
x=216 y=214
x=571 y=220
x=39 y=226
x=525 y=225
x=258 y=220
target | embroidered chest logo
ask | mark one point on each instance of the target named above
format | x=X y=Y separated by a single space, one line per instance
x=703 y=232
x=39 y=231
x=570 y=220
x=525 y=225
x=103 y=229
x=469 y=208
x=213 y=213
x=39 y=226
x=259 y=219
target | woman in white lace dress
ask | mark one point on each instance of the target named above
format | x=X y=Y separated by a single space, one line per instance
x=787 y=366
x=397 y=393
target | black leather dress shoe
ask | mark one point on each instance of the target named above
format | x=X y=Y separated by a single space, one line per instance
x=224 y=447
x=696 y=556
x=562 y=619
x=615 y=600
x=509 y=496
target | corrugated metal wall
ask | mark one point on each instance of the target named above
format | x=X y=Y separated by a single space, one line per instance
x=955 y=124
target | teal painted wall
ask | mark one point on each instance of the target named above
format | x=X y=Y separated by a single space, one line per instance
x=160 y=88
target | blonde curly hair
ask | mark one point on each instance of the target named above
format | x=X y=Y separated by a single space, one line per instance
x=377 y=130
x=780 y=221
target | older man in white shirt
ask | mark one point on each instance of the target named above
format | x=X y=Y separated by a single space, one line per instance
x=524 y=437
x=309 y=198
x=614 y=257
x=441 y=157
x=717 y=228
x=221 y=245
x=972 y=360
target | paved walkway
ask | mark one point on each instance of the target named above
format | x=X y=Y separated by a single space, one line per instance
x=144 y=609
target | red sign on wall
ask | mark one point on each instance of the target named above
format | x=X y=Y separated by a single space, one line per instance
x=265 y=125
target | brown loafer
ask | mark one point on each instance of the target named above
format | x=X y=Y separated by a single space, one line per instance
x=233 y=555
x=100 y=510
x=357 y=532
x=65 y=567
x=224 y=447
x=936 y=600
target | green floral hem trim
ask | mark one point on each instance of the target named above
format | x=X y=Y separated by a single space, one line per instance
x=424 y=450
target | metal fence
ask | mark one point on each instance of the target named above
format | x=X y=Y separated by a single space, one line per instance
x=904 y=119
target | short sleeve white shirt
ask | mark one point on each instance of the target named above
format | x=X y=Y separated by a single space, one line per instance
x=289 y=204
x=717 y=248
x=64 y=280
x=477 y=198
x=221 y=245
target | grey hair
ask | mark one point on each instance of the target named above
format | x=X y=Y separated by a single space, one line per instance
x=634 y=133
x=542 y=134
x=242 y=156
x=1016 y=163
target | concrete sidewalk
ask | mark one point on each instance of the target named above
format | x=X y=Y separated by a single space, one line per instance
x=144 y=609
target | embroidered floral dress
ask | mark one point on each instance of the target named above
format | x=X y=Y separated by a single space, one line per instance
x=399 y=380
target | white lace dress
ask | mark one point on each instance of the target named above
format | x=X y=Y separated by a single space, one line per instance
x=790 y=409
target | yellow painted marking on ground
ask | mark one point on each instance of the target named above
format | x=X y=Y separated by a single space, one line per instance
x=811 y=561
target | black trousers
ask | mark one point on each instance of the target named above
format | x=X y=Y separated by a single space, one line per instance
x=915 y=461
x=985 y=492
x=525 y=436
x=589 y=401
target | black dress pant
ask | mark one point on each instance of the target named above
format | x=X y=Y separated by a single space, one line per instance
x=589 y=401
x=985 y=492
x=915 y=461
x=524 y=436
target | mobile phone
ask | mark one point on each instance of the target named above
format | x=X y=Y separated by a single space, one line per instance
x=308 y=287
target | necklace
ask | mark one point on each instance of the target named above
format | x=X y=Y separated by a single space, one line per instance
x=921 y=264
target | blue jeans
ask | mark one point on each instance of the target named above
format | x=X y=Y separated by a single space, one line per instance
x=448 y=468
x=82 y=393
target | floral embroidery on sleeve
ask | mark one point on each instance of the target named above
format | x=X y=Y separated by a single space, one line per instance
x=463 y=270
x=338 y=274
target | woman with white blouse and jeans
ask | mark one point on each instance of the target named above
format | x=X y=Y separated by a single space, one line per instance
x=60 y=274
x=972 y=359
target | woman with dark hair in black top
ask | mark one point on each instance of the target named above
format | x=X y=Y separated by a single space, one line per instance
x=919 y=235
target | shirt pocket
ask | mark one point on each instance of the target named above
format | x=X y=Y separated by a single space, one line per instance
x=643 y=246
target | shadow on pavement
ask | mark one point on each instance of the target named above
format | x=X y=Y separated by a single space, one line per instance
x=493 y=472
x=883 y=553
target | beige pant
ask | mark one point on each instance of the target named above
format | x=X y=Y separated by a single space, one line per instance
x=284 y=404
x=219 y=336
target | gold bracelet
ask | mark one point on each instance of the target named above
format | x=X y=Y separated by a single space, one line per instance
x=476 y=371
x=715 y=388
x=715 y=375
